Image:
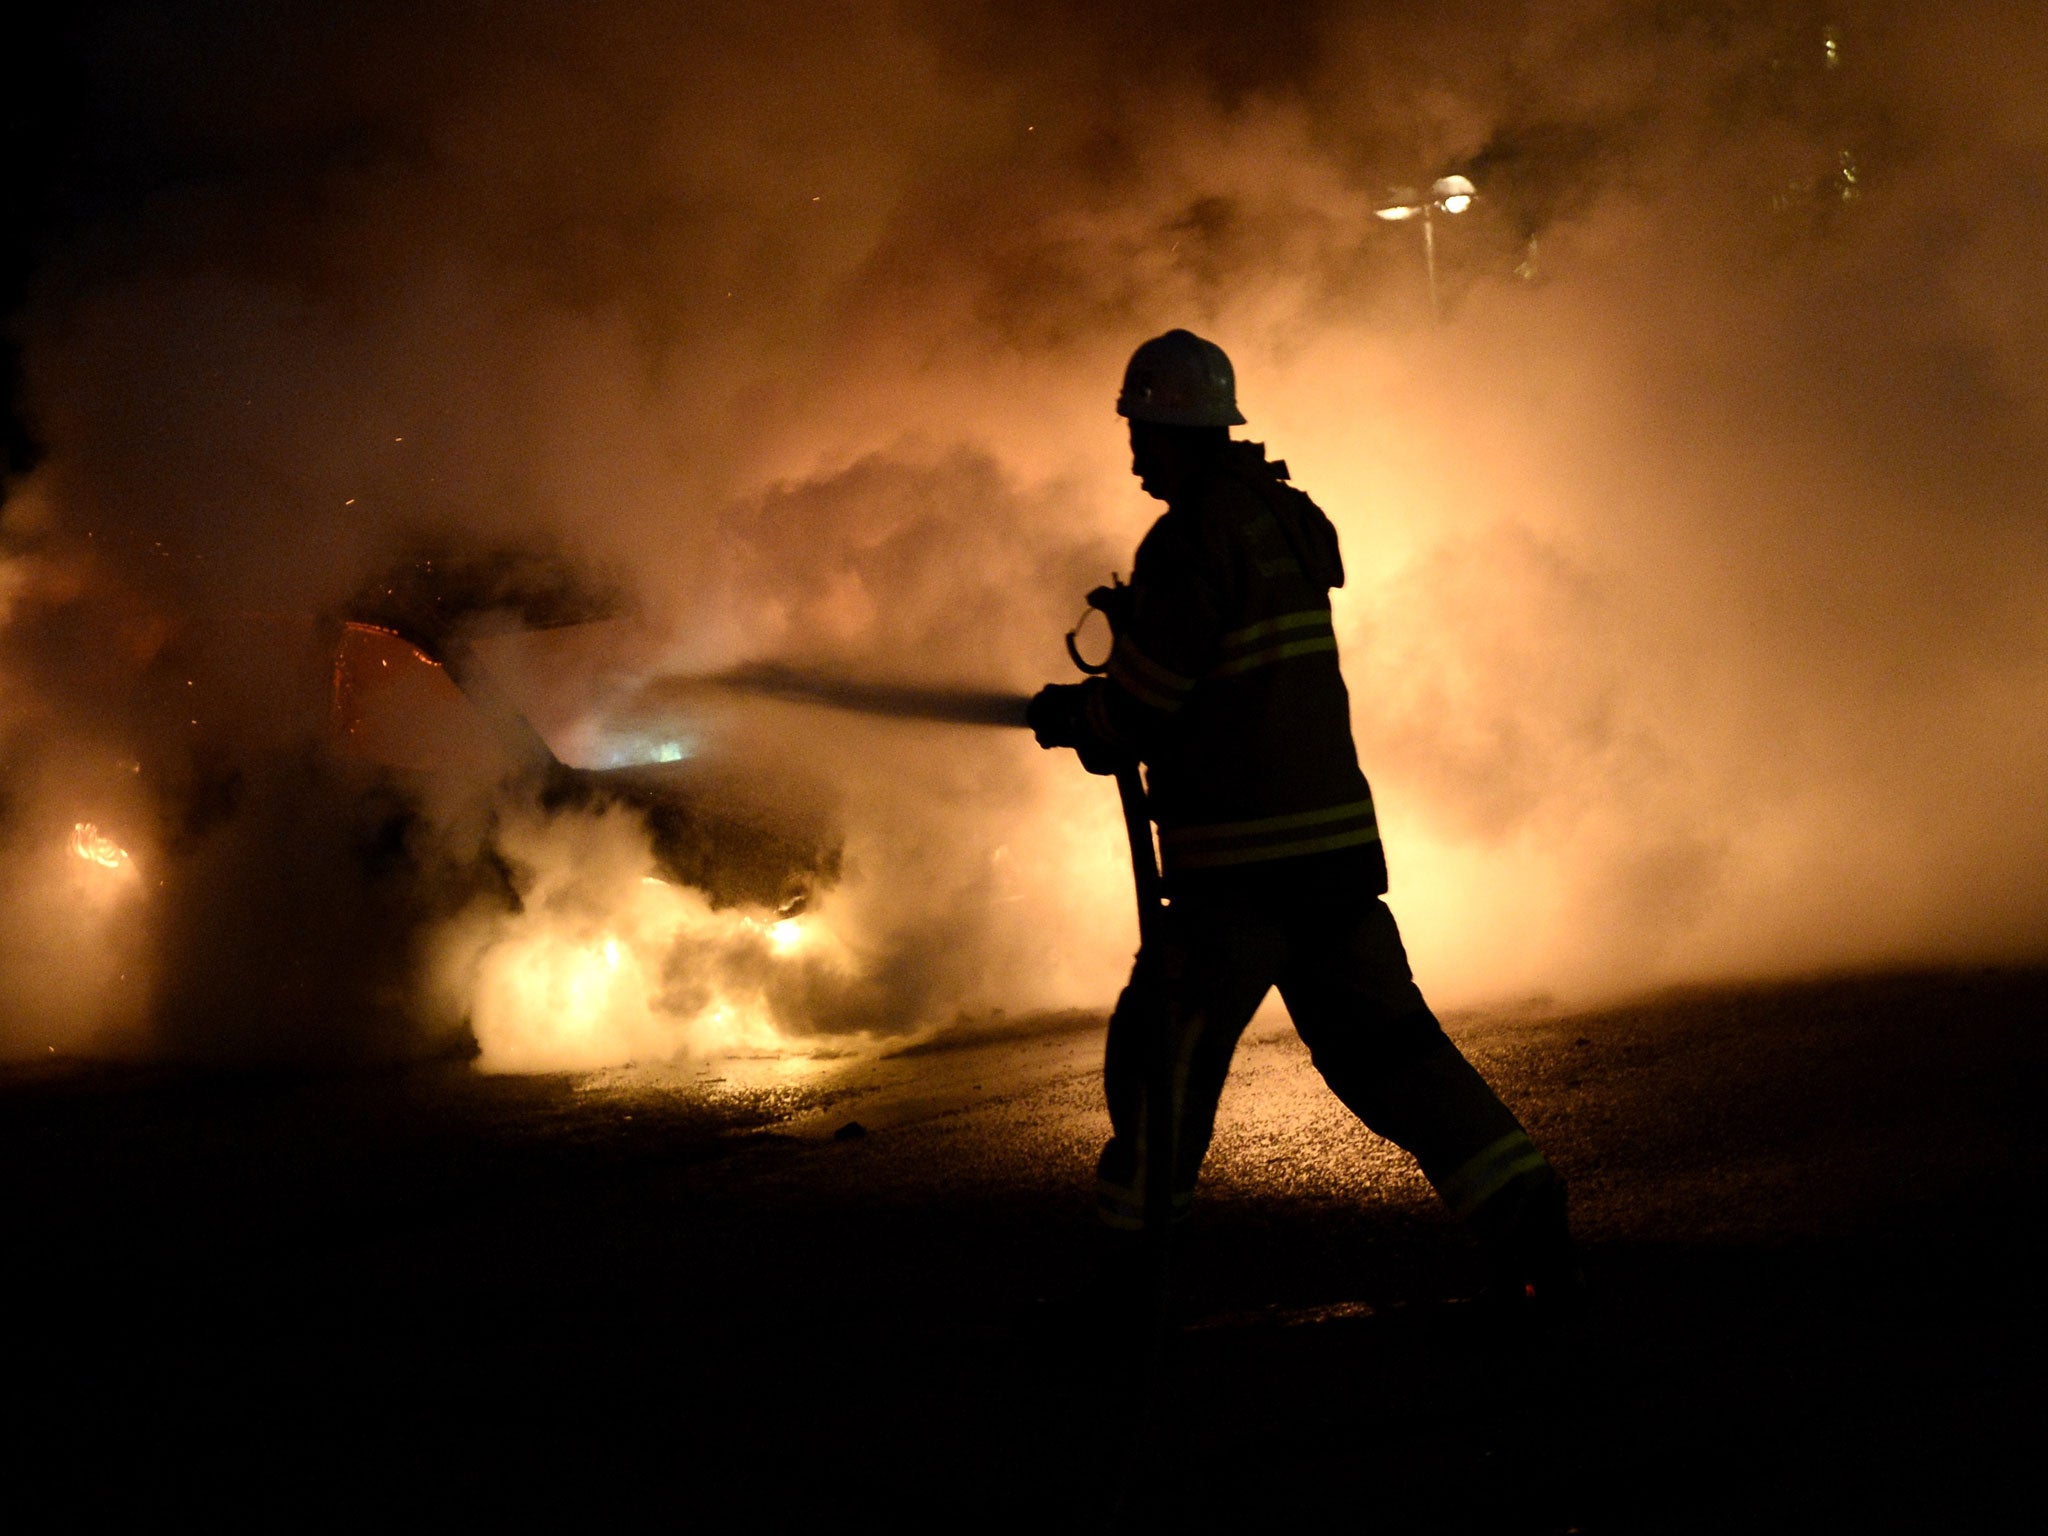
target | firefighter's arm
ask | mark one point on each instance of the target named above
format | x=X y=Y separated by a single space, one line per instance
x=1167 y=628
x=1167 y=641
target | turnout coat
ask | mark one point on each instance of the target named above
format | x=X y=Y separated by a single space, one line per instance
x=1224 y=679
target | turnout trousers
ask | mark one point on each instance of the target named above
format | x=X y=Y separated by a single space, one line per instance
x=1317 y=929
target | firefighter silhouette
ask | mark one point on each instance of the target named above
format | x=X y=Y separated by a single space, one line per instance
x=1223 y=681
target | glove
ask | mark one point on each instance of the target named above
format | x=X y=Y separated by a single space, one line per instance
x=1098 y=756
x=1055 y=715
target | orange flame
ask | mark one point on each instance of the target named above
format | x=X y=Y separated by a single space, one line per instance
x=95 y=847
x=605 y=963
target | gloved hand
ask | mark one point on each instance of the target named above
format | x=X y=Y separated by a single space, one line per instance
x=1055 y=715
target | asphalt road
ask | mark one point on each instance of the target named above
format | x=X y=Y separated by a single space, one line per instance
x=1810 y=1215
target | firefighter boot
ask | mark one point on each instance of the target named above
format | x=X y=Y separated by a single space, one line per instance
x=1533 y=1266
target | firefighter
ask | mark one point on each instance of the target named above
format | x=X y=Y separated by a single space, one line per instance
x=1223 y=681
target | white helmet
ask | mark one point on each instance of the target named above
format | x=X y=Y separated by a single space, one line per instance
x=1180 y=380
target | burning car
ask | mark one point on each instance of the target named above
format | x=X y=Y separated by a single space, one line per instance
x=413 y=691
x=405 y=866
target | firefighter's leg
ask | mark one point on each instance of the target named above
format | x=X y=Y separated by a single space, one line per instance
x=1353 y=998
x=1204 y=984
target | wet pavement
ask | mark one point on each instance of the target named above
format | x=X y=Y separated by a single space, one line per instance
x=1809 y=1215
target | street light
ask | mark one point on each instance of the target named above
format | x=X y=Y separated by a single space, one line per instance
x=1448 y=194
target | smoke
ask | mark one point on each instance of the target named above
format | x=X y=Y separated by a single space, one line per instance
x=1693 y=627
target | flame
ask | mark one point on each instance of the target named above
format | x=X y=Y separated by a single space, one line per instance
x=604 y=965
x=95 y=847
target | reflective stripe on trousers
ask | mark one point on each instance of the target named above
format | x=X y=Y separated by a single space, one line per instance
x=1489 y=1171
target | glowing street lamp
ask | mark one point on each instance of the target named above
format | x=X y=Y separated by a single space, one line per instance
x=1448 y=194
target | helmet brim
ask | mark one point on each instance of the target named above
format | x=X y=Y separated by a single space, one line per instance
x=1165 y=416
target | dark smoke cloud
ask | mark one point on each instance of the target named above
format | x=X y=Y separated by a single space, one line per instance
x=1694 y=625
